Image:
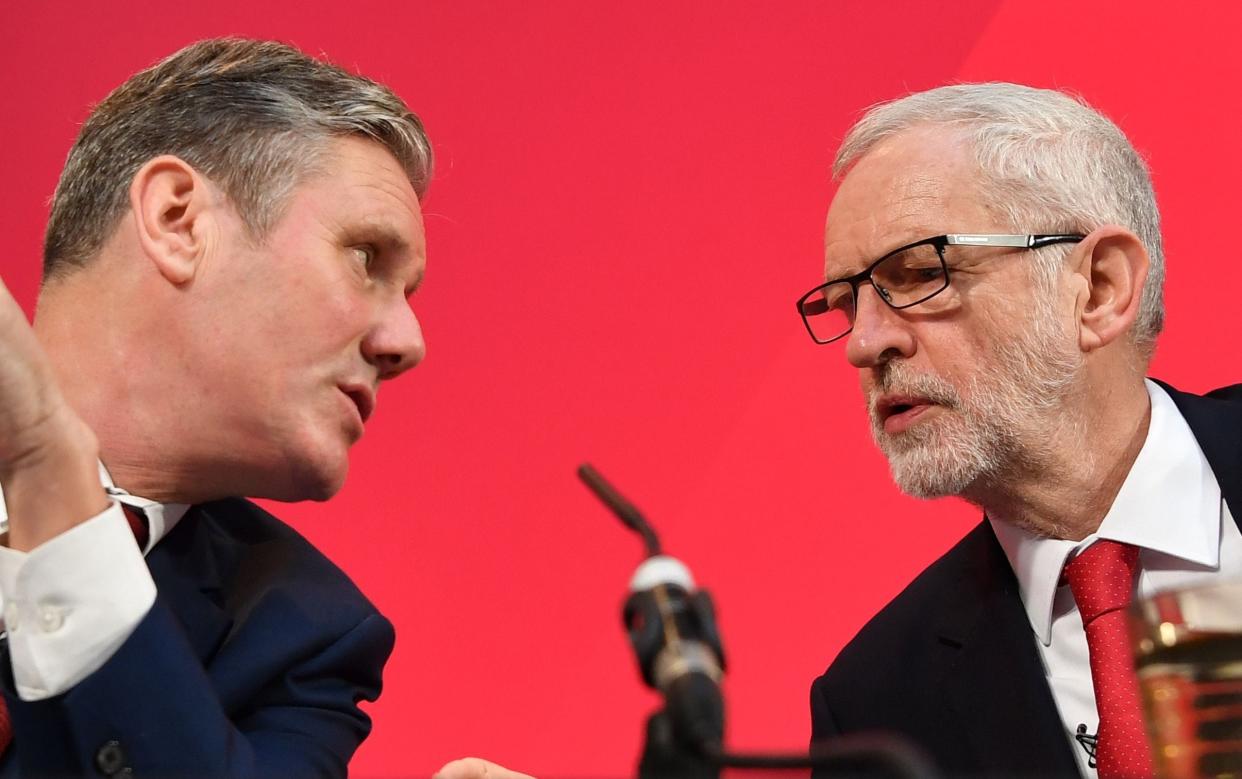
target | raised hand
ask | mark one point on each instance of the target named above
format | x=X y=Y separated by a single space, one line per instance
x=48 y=456
x=477 y=768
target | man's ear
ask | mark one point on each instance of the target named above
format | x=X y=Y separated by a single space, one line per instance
x=1110 y=272
x=169 y=200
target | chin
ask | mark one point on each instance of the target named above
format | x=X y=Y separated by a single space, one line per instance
x=928 y=463
x=321 y=483
x=315 y=478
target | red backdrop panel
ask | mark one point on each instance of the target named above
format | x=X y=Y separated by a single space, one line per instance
x=629 y=198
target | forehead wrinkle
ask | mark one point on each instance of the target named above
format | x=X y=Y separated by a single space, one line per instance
x=375 y=190
x=352 y=212
x=389 y=219
x=396 y=190
x=909 y=222
x=359 y=169
x=907 y=204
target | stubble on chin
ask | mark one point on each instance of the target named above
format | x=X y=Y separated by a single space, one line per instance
x=1008 y=422
x=941 y=455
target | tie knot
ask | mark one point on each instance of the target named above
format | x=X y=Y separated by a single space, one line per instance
x=1102 y=578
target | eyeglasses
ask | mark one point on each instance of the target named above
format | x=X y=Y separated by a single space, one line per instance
x=905 y=277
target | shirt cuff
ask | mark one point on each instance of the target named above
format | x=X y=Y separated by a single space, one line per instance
x=71 y=602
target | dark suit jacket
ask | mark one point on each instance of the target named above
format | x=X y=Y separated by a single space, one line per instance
x=251 y=663
x=951 y=663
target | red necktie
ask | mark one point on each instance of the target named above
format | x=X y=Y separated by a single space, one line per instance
x=137 y=523
x=1102 y=580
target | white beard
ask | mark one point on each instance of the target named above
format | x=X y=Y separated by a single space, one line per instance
x=1003 y=425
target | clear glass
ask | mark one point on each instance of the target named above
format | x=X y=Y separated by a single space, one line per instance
x=1188 y=652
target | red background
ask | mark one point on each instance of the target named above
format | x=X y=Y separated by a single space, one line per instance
x=629 y=198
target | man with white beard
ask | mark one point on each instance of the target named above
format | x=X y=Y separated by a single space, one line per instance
x=994 y=270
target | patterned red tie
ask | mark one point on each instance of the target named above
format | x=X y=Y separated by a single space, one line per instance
x=1102 y=580
x=137 y=523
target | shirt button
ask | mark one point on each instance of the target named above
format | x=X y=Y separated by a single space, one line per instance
x=51 y=619
x=11 y=616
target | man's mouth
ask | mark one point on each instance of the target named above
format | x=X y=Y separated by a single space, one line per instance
x=896 y=413
x=363 y=399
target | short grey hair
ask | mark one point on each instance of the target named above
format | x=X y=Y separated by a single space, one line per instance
x=253 y=116
x=1049 y=163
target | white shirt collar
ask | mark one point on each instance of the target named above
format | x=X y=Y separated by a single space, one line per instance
x=161 y=517
x=1169 y=503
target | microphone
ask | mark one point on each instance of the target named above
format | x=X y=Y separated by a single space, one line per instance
x=672 y=626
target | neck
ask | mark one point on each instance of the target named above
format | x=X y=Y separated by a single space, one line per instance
x=1066 y=488
x=98 y=348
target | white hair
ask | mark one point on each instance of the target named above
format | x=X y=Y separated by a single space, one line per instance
x=1049 y=162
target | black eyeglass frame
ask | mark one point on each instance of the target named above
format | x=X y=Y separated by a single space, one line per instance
x=938 y=242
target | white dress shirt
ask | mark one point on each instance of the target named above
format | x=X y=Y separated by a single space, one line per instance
x=1170 y=506
x=71 y=602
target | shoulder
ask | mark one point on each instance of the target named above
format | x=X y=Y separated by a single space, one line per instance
x=899 y=644
x=1232 y=392
x=258 y=556
x=1229 y=395
x=1216 y=421
x=955 y=576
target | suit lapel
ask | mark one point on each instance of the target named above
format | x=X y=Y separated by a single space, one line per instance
x=994 y=682
x=186 y=567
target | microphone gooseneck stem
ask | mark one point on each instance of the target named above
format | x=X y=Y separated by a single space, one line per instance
x=629 y=515
x=685 y=661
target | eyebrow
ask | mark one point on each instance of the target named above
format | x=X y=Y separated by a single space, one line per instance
x=864 y=261
x=384 y=233
x=869 y=259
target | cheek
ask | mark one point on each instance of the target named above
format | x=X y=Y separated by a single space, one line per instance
x=325 y=311
x=990 y=323
x=342 y=319
x=313 y=311
x=956 y=354
x=952 y=346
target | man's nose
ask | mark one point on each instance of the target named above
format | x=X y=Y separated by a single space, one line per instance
x=396 y=343
x=880 y=332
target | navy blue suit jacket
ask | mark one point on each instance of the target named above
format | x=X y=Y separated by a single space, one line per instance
x=951 y=663
x=252 y=662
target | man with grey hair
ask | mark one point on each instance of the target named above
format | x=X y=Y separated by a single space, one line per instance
x=227 y=266
x=994 y=270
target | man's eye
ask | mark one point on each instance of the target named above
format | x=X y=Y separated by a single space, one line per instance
x=364 y=255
